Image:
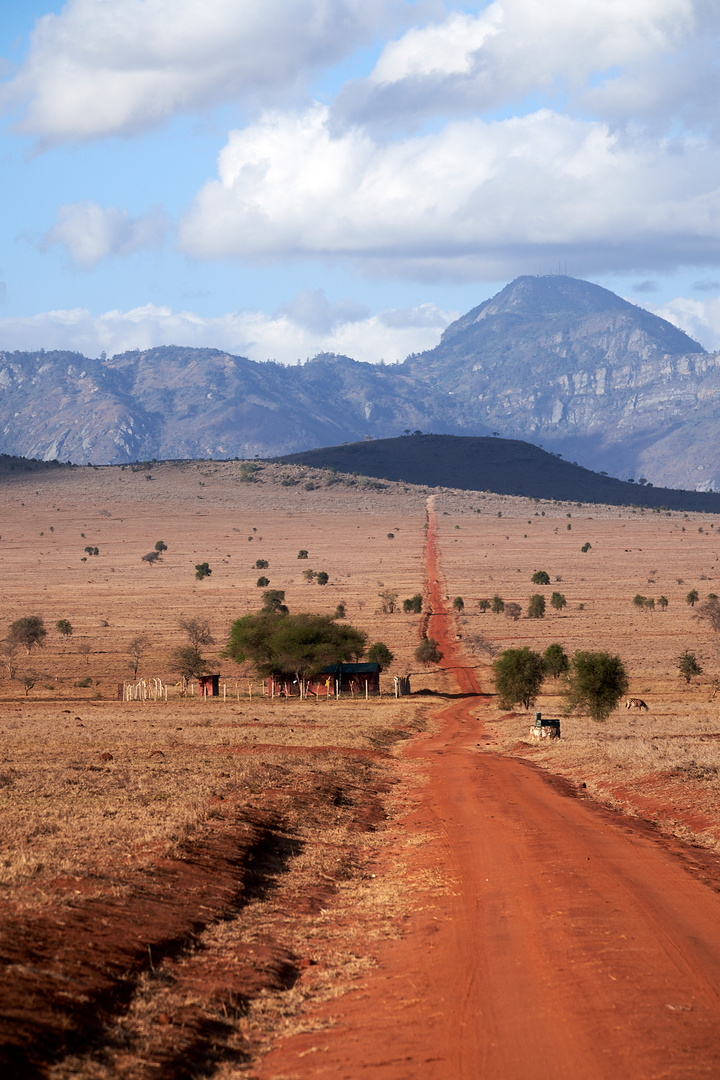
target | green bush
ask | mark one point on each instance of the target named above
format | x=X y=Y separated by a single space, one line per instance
x=536 y=606
x=688 y=665
x=262 y=582
x=413 y=604
x=596 y=682
x=692 y=597
x=202 y=570
x=302 y=554
x=497 y=605
x=540 y=577
x=261 y=564
x=64 y=627
x=378 y=653
x=459 y=604
x=519 y=674
x=428 y=652
x=322 y=578
x=558 y=601
x=555 y=660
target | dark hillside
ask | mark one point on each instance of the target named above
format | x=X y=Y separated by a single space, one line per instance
x=505 y=466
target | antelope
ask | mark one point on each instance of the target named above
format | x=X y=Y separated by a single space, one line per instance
x=636 y=703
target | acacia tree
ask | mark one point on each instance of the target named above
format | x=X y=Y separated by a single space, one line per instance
x=64 y=627
x=536 y=606
x=413 y=604
x=378 y=653
x=555 y=660
x=688 y=665
x=519 y=674
x=540 y=577
x=497 y=604
x=558 y=601
x=137 y=647
x=198 y=632
x=301 y=645
x=428 y=652
x=596 y=682
x=28 y=632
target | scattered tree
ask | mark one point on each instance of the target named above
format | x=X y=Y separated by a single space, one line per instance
x=483 y=605
x=309 y=575
x=459 y=604
x=28 y=632
x=663 y=602
x=519 y=675
x=639 y=601
x=536 y=606
x=596 y=683
x=137 y=648
x=692 y=597
x=555 y=660
x=389 y=600
x=513 y=610
x=339 y=611
x=540 y=577
x=302 y=645
x=710 y=610
x=322 y=578
x=586 y=547
x=302 y=554
x=274 y=601
x=378 y=653
x=262 y=582
x=160 y=546
x=497 y=605
x=688 y=665
x=413 y=604
x=188 y=662
x=558 y=601
x=202 y=570
x=261 y=564
x=198 y=632
x=64 y=627
x=428 y=652
x=649 y=603
x=391 y=536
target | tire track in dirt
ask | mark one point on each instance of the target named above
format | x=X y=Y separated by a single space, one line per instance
x=572 y=941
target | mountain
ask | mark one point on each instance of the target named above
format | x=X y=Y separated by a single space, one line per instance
x=504 y=466
x=551 y=360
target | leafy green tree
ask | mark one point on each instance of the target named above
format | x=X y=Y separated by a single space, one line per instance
x=513 y=611
x=596 y=683
x=413 y=604
x=160 y=546
x=302 y=554
x=692 y=597
x=428 y=652
x=540 y=577
x=27 y=632
x=378 y=653
x=340 y=611
x=519 y=674
x=274 y=601
x=536 y=606
x=322 y=578
x=202 y=570
x=64 y=627
x=301 y=644
x=459 y=604
x=558 y=601
x=639 y=601
x=484 y=605
x=663 y=602
x=688 y=665
x=497 y=605
x=555 y=660
x=261 y=564
x=262 y=582
x=585 y=548
x=649 y=604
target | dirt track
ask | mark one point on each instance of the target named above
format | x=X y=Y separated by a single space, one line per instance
x=572 y=942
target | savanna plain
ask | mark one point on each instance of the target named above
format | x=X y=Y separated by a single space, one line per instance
x=204 y=887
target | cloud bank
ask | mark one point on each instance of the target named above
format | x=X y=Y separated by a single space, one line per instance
x=306 y=326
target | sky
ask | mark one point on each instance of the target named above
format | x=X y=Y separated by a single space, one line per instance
x=303 y=176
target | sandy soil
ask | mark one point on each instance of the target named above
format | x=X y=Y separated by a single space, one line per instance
x=405 y=888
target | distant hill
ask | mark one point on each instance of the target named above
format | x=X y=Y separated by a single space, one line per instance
x=551 y=360
x=504 y=466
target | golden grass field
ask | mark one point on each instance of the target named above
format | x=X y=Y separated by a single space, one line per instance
x=93 y=791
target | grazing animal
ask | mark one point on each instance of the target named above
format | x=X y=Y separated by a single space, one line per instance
x=636 y=703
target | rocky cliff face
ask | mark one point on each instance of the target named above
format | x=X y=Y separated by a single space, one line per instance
x=553 y=360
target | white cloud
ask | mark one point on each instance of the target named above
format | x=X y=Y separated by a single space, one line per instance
x=91 y=232
x=608 y=53
x=474 y=200
x=698 y=318
x=104 y=67
x=389 y=335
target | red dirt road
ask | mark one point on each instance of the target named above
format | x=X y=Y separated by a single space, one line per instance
x=573 y=942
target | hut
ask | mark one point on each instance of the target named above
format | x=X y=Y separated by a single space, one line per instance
x=209 y=685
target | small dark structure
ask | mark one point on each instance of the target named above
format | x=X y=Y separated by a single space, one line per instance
x=545 y=728
x=209 y=686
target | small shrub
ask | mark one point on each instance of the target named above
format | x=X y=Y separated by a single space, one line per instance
x=160 y=546
x=540 y=577
x=322 y=578
x=639 y=600
x=262 y=582
x=519 y=674
x=663 y=602
x=82 y=684
x=378 y=653
x=692 y=597
x=302 y=554
x=555 y=660
x=391 y=536
x=261 y=564
x=64 y=627
x=586 y=547
x=484 y=605
x=413 y=604
x=309 y=575
x=428 y=652
x=688 y=665
x=497 y=605
x=202 y=570
x=558 y=601
x=459 y=604
x=339 y=612
x=536 y=606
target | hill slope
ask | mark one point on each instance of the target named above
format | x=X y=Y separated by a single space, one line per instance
x=504 y=466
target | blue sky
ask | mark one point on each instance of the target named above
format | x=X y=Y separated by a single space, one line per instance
x=348 y=175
